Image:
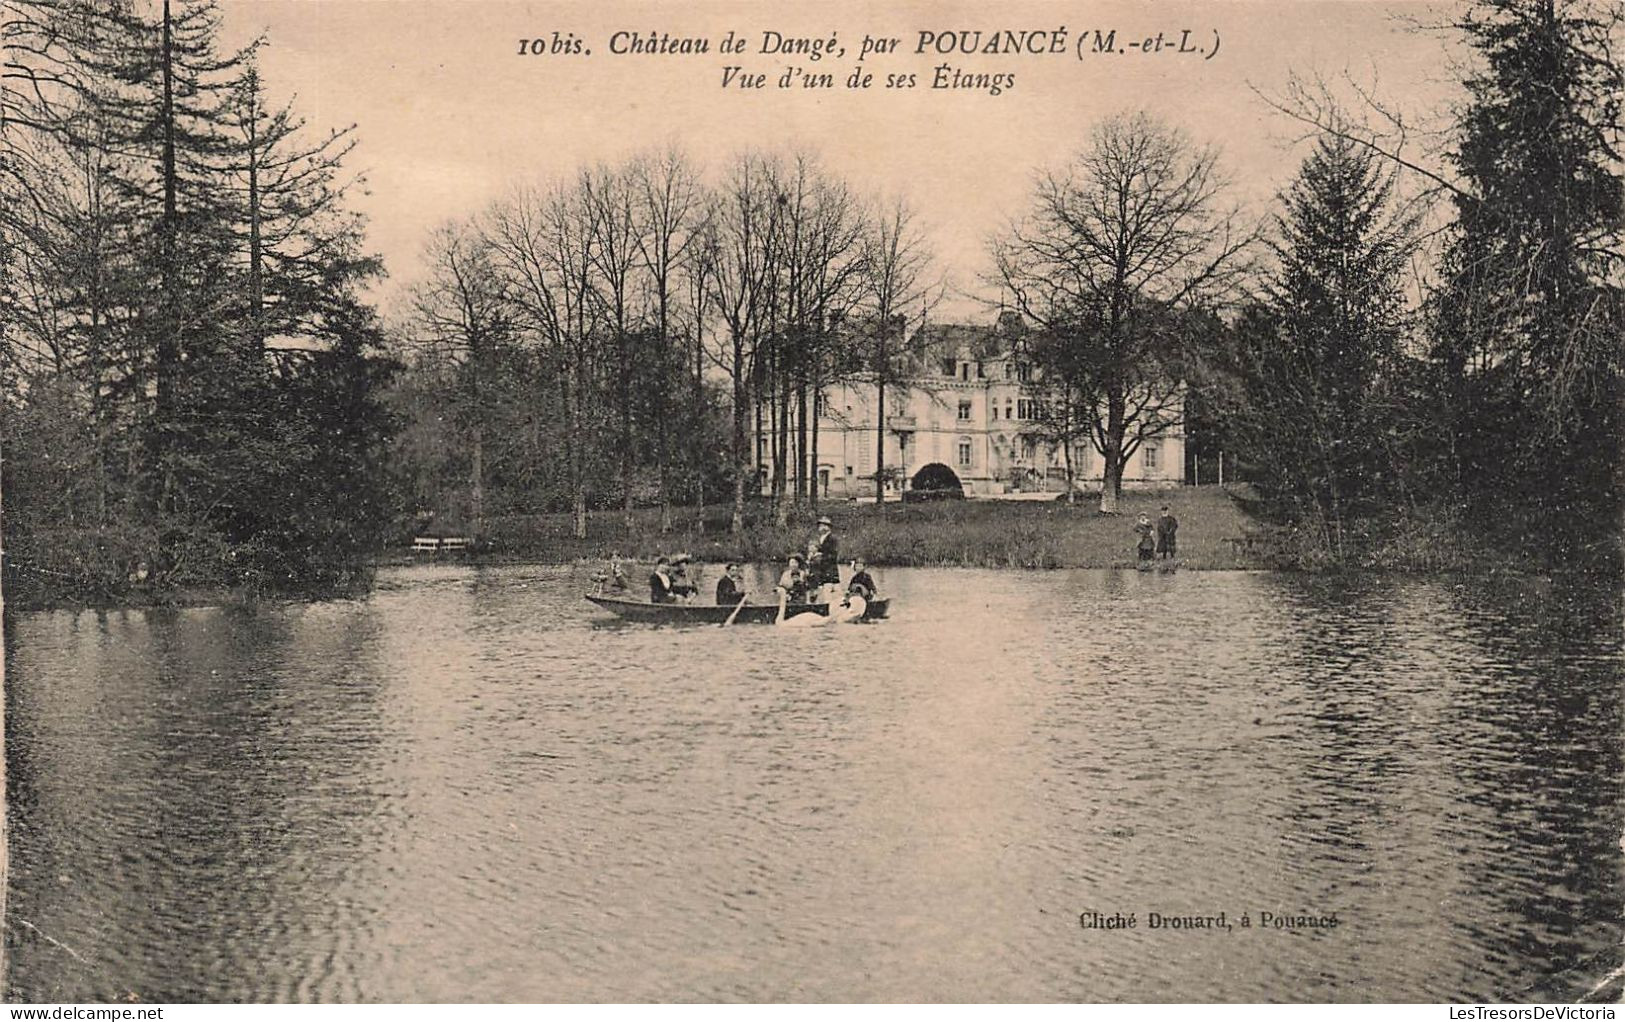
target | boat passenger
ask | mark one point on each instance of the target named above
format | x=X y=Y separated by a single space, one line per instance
x=682 y=587
x=861 y=583
x=660 y=583
x=823 y=563
x=793 y=581
x=730 y=589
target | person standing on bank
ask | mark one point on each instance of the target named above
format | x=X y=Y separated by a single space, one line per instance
x=1148 y=542
x=1167 y=526
x=823 y=562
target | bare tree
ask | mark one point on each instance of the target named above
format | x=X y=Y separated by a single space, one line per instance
x=822 y=259
x=1128 y=232
x=610 y=197
x=670 y=207
x=541 y=245
x=460 y=312
x=743 y=249
x=897 y=285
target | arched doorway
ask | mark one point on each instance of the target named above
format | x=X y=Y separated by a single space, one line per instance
x=936 y=480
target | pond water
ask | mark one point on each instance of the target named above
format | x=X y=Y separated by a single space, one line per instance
x=472 y=785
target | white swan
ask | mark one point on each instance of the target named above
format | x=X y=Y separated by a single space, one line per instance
x=809 y=619
x=846 y=613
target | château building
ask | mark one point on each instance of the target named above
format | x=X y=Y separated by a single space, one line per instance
x=966 y=404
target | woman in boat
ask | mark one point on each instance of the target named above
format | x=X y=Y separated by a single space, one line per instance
x=793 y=581
x=682 y=588
x=861 y=583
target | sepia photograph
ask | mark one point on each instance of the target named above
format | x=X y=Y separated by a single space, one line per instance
x=510 y=501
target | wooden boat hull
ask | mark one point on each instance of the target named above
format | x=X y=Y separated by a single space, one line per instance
x=703 y=614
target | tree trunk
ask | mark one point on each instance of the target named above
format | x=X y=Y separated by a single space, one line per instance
x=696 y=456
x=168 y=341
x=804 y=466
x=812 y=456
x=477 y=472
x=1111 y=483
x=781 y=506
x=880 y=441
x=256 y=256
x=742 y=459
x=572 y=441
x=775 y=455
x=1066 y=449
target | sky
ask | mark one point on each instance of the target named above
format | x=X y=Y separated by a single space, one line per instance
x=449 y=115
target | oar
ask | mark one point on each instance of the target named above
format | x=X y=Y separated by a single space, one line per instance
x=737 y=608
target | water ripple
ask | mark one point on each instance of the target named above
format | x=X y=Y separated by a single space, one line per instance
x=466 y=787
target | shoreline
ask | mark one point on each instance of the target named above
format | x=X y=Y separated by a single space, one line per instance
x=1215 y=534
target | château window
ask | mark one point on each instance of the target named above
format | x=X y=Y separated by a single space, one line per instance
x=964 y=370
x=964 y=411
x=964 y=453
x=1152 y=456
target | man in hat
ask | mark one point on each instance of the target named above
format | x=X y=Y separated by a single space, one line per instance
x=1167 y=527
x=823 y=562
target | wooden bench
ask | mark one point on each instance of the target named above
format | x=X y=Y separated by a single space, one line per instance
x=442 y=544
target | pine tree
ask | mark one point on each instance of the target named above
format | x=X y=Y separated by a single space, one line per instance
x=1320 y=364
x=1527 y=326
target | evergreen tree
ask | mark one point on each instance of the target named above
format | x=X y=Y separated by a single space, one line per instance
x=1318 y=363
x=166 y=226
x=1527 y=326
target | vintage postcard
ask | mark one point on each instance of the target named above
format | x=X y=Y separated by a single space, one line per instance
x=842 y=502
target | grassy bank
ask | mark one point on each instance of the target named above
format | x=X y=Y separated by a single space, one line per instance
x=1213 y=534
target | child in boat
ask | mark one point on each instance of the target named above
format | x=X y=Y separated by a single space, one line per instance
x=793 y=581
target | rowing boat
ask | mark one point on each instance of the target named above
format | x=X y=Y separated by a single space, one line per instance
x=702 y=614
